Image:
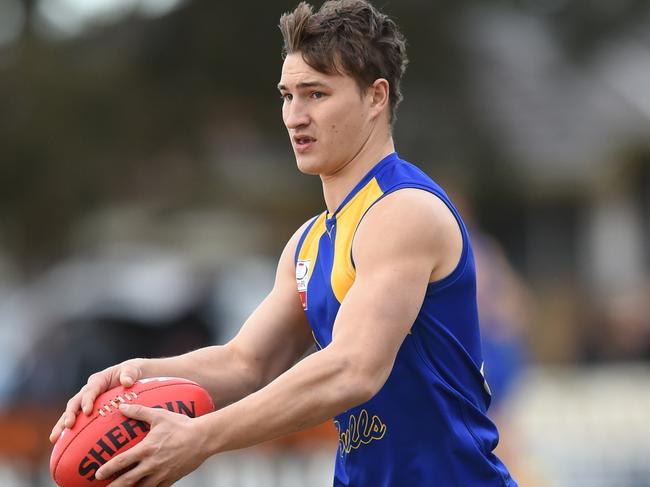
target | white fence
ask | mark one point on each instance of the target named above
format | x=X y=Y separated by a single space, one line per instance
x=585 y=427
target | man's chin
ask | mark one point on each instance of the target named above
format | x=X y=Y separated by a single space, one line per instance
x=307 y=166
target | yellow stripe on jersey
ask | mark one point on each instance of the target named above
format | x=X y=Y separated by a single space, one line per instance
x=347 y=219
x=309 y=249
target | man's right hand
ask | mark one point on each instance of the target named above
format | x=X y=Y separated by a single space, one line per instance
x=124 y=374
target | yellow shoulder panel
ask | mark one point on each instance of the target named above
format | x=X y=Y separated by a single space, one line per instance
x=309 y=250
x=347 y=220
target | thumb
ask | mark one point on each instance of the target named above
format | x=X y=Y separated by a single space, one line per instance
x=129 y=374
x=143 y=413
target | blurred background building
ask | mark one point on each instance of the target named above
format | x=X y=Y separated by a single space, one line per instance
x=147 y=187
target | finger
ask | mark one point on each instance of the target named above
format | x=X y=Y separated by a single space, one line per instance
x=135 y=477
x=129 y=373
x=143 y=413
x=57 y=429
x=97 y=383
x=68 y=417
x=71 y=410
x=121 y=464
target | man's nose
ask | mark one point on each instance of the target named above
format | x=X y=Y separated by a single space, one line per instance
x=295 y=115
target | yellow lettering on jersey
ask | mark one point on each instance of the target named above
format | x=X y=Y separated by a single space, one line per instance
x=347 y=220
x=360 y=431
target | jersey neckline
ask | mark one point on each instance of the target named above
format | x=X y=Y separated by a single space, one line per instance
x=330 y=219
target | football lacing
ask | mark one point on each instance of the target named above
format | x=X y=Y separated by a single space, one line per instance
x=115 y=403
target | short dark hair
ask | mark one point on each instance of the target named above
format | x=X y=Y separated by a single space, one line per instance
x=348 y=37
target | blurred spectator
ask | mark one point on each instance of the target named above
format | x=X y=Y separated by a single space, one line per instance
x=505 y=305
x=505 y=313
x=619 y=327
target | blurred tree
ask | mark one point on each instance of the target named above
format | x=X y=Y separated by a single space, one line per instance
x=28 y=26
x=132 y=111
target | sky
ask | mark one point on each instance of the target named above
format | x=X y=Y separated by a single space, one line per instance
x=68 y=18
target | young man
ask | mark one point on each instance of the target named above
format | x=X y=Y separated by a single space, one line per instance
x=383 y=282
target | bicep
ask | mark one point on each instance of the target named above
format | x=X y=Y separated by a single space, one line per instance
x=376 y=315
x=396 y=250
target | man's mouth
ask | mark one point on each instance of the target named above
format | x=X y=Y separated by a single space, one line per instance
x=303 y=142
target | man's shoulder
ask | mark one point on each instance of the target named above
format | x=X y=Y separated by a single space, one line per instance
x=406 y=213
x=413 y=204
x=410 y=221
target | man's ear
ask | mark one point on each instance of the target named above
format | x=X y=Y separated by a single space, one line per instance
x=379 y=92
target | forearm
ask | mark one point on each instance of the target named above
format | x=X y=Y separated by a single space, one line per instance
x=314 y=390
x=219 y=369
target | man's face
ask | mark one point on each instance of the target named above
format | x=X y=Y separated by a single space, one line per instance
x=327 y=117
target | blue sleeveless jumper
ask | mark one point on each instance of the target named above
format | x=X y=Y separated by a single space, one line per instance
x=427 y=426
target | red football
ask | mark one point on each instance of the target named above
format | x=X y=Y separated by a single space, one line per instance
x=95 y=439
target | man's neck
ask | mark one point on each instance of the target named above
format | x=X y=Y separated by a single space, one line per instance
x=338 y=185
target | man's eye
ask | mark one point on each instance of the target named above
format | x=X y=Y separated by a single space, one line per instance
x=317 y=95
x=286 y=97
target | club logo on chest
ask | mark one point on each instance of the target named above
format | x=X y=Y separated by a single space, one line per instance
x=302 y=280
